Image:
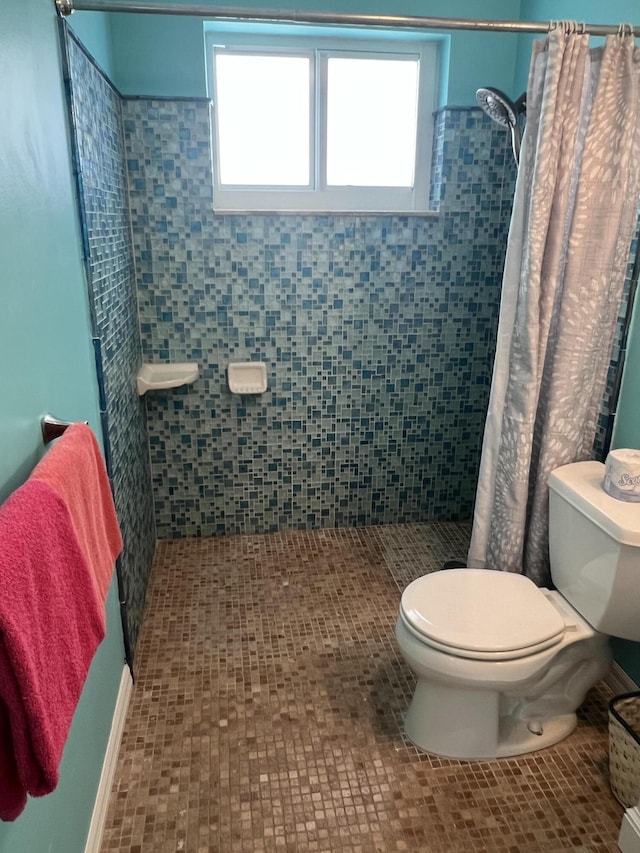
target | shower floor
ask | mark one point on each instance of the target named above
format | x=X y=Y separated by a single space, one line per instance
x=267 y=714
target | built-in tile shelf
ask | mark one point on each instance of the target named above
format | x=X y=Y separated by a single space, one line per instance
x=247 y=377
x=158 y=377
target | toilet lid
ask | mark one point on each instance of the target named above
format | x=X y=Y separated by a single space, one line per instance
x=481 y=611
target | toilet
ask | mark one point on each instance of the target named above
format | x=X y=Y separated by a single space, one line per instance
x=502 y=665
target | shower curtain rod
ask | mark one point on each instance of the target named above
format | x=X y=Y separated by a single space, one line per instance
x=293 y=16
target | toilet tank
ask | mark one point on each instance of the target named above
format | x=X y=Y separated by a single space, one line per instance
x=594 y=547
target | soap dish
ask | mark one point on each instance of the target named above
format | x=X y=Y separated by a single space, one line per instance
x=247 y=377
x=156 y=377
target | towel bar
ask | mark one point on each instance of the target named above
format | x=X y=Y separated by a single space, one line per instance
x=53 y=428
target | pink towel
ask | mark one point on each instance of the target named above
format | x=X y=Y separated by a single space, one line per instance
x=51 y=623
x=73 y=467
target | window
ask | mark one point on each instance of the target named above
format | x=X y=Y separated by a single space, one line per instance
x=321 y=124
x=262 y=116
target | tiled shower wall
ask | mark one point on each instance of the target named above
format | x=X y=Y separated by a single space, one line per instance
x=377 y=331
x=102 y=185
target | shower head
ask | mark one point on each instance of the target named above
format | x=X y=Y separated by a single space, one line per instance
x=497 y=106
x=502 y=110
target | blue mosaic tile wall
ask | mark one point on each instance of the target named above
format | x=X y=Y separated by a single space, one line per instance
x=104 y=206
x=378 y=334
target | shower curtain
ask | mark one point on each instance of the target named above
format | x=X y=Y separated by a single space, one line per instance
x=571 y=228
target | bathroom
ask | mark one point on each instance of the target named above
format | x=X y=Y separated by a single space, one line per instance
x=364 y=424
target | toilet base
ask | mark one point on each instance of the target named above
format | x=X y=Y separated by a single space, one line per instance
x=475 y=709
x=521 y=740
x=458 y=723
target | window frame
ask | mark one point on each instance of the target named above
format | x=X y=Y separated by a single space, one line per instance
x=320 y=198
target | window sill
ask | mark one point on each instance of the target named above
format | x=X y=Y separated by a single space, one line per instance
x=223 y=211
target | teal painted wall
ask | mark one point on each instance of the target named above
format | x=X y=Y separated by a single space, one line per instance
x=627 y=425
x=94 y=30
x=627 y=434
x=163 y=55
x=46 y=364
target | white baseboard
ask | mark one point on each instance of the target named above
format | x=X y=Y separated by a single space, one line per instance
x=99 y=816
x=619 y=681
x=629 y=838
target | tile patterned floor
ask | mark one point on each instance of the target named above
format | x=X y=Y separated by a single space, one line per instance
x=267 y=714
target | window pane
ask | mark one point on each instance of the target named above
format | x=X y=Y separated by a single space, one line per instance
x=263 y=119
x=371 y=122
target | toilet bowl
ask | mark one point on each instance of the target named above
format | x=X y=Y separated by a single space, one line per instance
x=501 y=665
x=490 y=687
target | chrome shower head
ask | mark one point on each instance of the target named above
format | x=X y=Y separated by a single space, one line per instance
x=497 y=106
x=502 y=110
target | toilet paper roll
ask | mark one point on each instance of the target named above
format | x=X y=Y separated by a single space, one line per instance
x=622 y=474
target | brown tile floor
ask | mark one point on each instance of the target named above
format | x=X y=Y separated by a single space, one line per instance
x=267 y=714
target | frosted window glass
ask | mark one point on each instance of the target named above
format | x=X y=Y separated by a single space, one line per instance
x=263 y=119
x=372 y=107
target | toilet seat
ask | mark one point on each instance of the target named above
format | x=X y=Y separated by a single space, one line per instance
x=481 y=614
